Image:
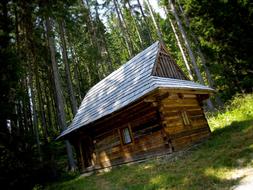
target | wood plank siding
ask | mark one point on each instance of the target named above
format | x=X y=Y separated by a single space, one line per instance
x=166 y=67
x=147 y=138
x=180 y=133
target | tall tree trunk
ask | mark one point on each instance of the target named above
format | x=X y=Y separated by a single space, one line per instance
x=48 y=105
x=93 y=34
x=124 y=33
x=34 y=114
x=104 y=40
x=58 y=91
x=187 y=65
x=128 y=36
x=76 y=75
x=145 y=20
x=40 y=100
x=157 y=27
x=187 y=44
x=67 y=69
x=135 y=24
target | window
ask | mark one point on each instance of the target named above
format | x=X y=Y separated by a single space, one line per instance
x=126 y=137
x=185 y=118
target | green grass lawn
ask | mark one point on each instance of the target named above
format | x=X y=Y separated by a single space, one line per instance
x=207 y=166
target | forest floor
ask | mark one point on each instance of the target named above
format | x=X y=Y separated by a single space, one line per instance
x=224 y=161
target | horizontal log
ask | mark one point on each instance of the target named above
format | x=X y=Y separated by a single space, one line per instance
x=142 y=149
x=190 y=96
x=178 y=108
x=112 y=137
x=170 y=121
x=131 y=150
x=149 y=138
x=106 y=147
x=173 y=124
x=180 y=100
x=139 y=156
x=184 y=91
x=181 y=145
x=127 y=115
x=195 y=112
x=145 y=120
x=200 y=136
x=199 y=122
x=196 y=117
x=179 y=105
x=189 y=132
x=168 y=113
x=175 y=129
x=181 y=142
x=146 y=131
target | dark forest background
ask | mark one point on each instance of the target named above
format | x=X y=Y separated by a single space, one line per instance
x=53 y=51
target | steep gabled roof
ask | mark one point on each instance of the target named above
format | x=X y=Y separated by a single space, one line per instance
x=124 y=86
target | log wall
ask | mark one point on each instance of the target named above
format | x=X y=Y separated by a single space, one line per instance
x=145 y=128
x=180 y=134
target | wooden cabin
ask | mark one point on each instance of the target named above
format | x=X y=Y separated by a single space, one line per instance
x=145 y=108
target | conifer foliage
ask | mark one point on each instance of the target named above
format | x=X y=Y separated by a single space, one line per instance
x=52 y=52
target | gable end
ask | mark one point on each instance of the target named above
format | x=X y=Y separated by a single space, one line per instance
x=166 y=66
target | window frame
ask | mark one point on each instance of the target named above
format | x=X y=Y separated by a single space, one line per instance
x=122 y=136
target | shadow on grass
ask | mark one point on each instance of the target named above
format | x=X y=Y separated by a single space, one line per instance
x=207 y=166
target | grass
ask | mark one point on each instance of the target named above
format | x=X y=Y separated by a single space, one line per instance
x=210 y=165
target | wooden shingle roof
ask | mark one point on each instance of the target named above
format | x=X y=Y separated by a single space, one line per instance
x=130 y=82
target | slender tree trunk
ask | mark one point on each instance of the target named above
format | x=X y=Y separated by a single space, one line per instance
x=53 y=99
x=124 y=33
x=48 y=105
x=34 y=114
x=157 y=27
x=24 y=110
x=29 y=106
x=78 y=81
x=135 y=24
x=128 y=36
x=108 y=54
x=59 y=95
x=76 y=75
x=93 y=35
x=187 y=44
x=40 y=100
x=104 y=41
x=182 y=50
x=67 y=69
x=187 y=65
x=145 y=20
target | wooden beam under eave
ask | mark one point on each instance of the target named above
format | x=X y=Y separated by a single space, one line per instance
x=186 y=91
